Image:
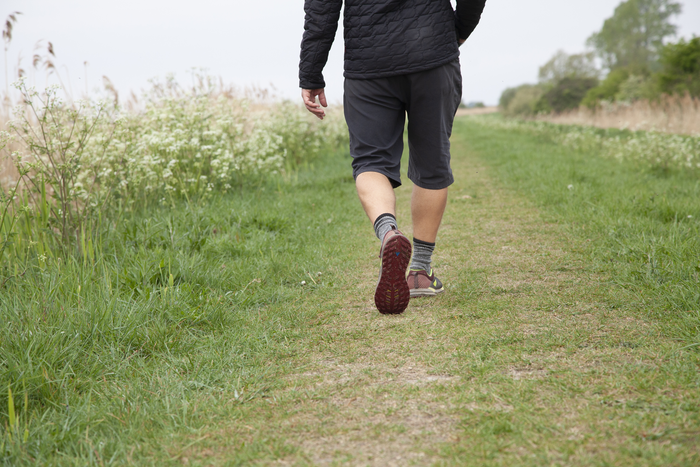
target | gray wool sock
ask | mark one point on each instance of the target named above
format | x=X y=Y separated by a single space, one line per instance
x=422 y=255
x=384 y=224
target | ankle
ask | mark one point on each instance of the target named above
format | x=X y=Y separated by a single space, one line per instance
x=384 y=224
x=422 y=255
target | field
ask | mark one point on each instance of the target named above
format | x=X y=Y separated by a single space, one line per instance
x=235 y=326
x=669 y=114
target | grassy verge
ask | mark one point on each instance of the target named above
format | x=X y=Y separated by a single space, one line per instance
x=182 y=306
x=641 y=222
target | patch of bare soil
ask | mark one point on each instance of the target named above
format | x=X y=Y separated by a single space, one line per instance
x=527 y=372
x=375 y=412
x=381 y=432
x=331 y=372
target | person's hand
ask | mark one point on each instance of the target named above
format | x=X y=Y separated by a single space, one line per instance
x=309 y=96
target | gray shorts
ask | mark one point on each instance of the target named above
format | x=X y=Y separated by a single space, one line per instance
x=375 y=111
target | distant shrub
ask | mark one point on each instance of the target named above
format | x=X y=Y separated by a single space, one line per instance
x=523 y=100
x=563 y=65
x=679 y=74
x=608 y=89
x=631 y=45
x=634 y=88
x=681 y=68
x=471 y=105
x=566 y=94
x=476 y=105
x=506 y=97
x=532 y=99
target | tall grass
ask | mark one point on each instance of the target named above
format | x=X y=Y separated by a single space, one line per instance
x=79 y=162
x=668 y=114
x=8 y=172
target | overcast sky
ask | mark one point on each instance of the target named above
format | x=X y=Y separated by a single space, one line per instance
x=257 y=42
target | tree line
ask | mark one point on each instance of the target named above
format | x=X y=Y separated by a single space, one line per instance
x=629 y=59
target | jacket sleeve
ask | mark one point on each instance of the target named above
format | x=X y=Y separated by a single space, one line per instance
x=467 y=16
x=320 y=25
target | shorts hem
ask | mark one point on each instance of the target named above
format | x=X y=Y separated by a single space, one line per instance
x=432 y=186
x=395 y=183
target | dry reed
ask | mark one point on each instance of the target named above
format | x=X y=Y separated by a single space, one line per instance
x=8 y=173
x=669 y=114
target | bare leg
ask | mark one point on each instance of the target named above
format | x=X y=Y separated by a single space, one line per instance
x=377 y=197
x=427 y=208
x=376 y=194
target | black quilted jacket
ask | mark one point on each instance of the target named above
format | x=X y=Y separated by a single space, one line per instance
x=384 y=37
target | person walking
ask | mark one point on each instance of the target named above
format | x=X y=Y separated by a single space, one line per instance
x=401 y=58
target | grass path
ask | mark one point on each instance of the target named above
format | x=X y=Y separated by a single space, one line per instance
x=529 y=358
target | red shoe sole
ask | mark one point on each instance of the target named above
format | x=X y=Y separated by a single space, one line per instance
x=392 y=294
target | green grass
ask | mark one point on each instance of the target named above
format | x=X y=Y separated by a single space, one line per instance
x=183 y=305
x=191 y=339
x=641 y=223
